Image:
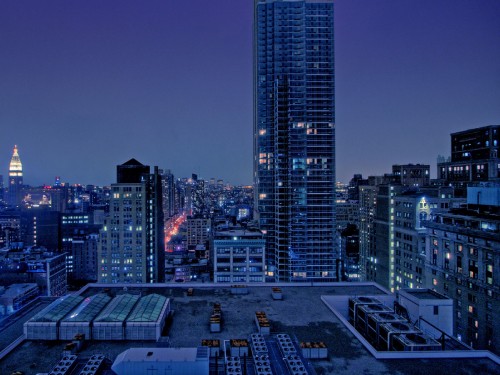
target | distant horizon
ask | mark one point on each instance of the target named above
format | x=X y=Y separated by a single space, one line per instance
x=88 y=85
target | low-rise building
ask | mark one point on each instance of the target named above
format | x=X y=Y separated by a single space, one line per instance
x=239 y=255
x=15 y=296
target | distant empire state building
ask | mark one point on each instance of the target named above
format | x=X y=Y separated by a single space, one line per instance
x=294 y=137
x=15 y=179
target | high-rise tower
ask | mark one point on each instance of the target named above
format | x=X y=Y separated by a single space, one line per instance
x=131 y=247
x=15 y=179
x=294 y=137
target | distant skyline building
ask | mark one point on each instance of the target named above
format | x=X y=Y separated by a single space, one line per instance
x=169 y=192
x=475 y=157
x=413 y=174
x=131 y=245
x=15 y=179
x=294 y=137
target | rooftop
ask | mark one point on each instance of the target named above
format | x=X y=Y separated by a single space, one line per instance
x=148 y=309
x=425 y=294
x=118 y=309
x=58 y=309
x=16 y=289
x=301 y=314
x=89 y=308
x=159 y=354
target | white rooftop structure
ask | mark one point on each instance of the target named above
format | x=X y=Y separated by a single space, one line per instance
x=179 y=361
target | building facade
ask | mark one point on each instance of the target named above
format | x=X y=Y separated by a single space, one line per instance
x=416 y=175
x=410 y=212
x=131 y=246
x=294 y=137
x=367 y=206
x=239 y=256
x=198 y=231
x=475 y=158
x=463 y=262
x=169 y=190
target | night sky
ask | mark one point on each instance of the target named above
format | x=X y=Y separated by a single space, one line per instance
x=86 y=85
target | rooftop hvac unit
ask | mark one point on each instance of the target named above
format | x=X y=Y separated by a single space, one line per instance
x=388 y=330
x=362 y=312
x=357 y=301
x=261 y=357
x=414 y=342
x=375 y=320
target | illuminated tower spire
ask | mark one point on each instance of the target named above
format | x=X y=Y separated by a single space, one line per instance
x=15 y=167
x=15 y=178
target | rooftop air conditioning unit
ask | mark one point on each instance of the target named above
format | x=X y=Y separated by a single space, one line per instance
x=362 y=313
x=357 y=301
x=375 y=320
x=414 y=342
x=388 y=330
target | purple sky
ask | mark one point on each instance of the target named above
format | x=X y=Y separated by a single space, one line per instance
x=86 y=85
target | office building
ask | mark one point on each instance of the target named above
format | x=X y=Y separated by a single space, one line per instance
x=294 y=137
x=367 y=205
x=16 y=296
x=411 y=209
x=413 y=174
x=35 y=265
x=463 y=263
x=169 y=192
x=41 y=227
x=349 y=245
x=15 y=179
x=131 y=246
x=239 y=256
x=475 y=158
x=10 y=229
x=198 y=231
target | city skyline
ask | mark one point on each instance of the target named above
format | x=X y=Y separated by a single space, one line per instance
x=76 y=76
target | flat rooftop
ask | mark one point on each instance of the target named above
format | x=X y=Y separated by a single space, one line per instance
x=425 y=294
x=301 y=314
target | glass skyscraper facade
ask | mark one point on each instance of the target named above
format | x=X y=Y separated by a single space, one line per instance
x=294 y=137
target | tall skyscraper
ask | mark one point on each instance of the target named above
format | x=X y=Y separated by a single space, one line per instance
x=294 y=137
x=131 y=247
x=169 y=191
x=15 y=179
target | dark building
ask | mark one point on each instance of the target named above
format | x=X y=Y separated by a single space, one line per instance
x=83 y=253
x=294 y=137
x=353 y=188
x=474 y=158
x=131 y=172
x=10 y=229
x=35 y=265
x=349 y=244
x=169 y=191
x=79 y=242
x=412 y=174
x=41 y=227
x=2 y=188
